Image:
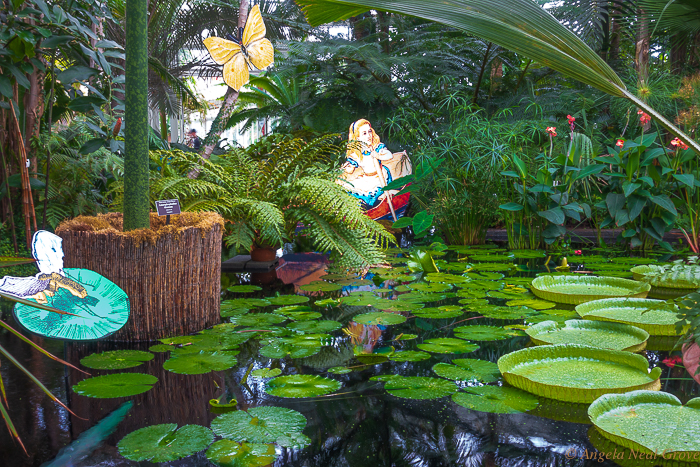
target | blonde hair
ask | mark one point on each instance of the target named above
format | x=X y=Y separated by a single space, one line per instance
x=354 y=135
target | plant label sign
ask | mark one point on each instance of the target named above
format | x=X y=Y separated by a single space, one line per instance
x=167 y=207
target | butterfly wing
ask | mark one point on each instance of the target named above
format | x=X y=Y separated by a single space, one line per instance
x=261 y=53
x=254 y=26
x=236 y=72
x=222 y=50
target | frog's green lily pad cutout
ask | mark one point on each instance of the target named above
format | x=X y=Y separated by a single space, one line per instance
x=448 y=345
x=227 y=453
x=468 y=369
x=650 y=422
x=288 y=299
x=115 y=385
x=116 y=359
x=477 y=332
x=495 y=399
x=103 y=311
x=445 y=278
x=244 y=288
x=339 y=370
x=654 y=316
x=603 y=335
x=297 y=386
x=308 y=327
x=201 y=362
x=320 y=286
x=429 y=287
x=577 y=373
x=419 y=387
x=380 y=318
x=164 y=443
x=258 y=319
x=263 y=425
x=245 y=303
x=409 y=356
x=580 y=289
x=532 y=303
x=266 y=372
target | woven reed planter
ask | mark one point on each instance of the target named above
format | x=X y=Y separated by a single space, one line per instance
x=172 y=274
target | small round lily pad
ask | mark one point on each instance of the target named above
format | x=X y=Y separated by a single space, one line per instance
x=297 y=386
x=164 y=443
x=409 y=356
x=227 y=453
x=482 y=333
x=535 y=304
x=201 y=362
x=262 y=425
x=266 y=372
x=245 y=303
x=115 y=385
x=116 y=359
x=339 y=370
x=320 y=286
x=429 y=287
x=496 y=399
x=380 y=318
x=419 y=387
x=468 y=369
x=448 y=345
x=308 y=327
x=288 y=299
x=244 y=288
x=258 y=319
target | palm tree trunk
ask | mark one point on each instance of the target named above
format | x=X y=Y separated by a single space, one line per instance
x=227 y=106
x=641 y=53
x=136 y=191
x=679 y=52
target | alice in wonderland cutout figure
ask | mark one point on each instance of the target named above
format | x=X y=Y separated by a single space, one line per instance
x=370 y=166
x=97 y=306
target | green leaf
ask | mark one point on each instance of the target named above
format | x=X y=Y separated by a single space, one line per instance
x=654 y=316
x=84 y=103
x=482 y=333
x=402 y=223
x=665 y=202
x=297 y=386
x=379 y=318
x=288 y=299
x=419 y=387
x=6 y=87
x=320 y=286
x=115 y=385
x=201 y=362
x=107 y=44
x=227 y=453
x=162 y=443
x=554 y=215
x=511 y=206
x=496 y=399
x=593 y=333
x=468 y=369
x=243 y=288
x=422 y=222
x=266 y=372
x=409 y=356
x=588 y=171
x=448 y=345
x=628 y=188
x=579 y=289
x=687 y=179
x=55 y=41
x=116 y=359
x=76 y=73
x=615 y=202
x=263 y=425
x=91 y=146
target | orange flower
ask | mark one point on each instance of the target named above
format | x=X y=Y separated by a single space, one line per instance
x=552 y=131
x=620 y=143
x=644 y=117
x=679 y=144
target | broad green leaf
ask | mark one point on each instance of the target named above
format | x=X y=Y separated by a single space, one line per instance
x=227 y=453
x=665 y=202
x=448 y=345
x=409 y=356
x=320 y=286
x=201 y=362
x=116 y=359
x=512 y=206
x=297 y=386
x=477 y=332
x=419 y=387
x=579 y=289
x=288 y=299
x=263 y=425
x=266 y=372
x=115 y=385
x=656 y=317
x=422 y=221
x=496 y=399
x=593 y=333
x=164 y=443
x=379 y=318
x=467 y=369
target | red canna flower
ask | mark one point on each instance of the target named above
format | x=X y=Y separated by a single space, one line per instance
x=578 y=252
x=644 y=117
x=679 y=144
x=552 y=131
x=571 y=121
x=672 y=361
x=620 y=143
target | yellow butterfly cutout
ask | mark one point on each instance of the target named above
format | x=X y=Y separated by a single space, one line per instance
x=254 y=49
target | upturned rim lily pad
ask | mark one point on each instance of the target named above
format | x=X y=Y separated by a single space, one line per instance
x=116 y=359
x=656 y=317
x=580 y=289
x=164 y=443
x=115 y=385
x=650 y=422
x=601 y=334
x=298 y=386
x=577 y=373
x=495 y=399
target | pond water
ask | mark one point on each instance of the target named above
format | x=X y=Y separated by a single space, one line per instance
x=357 y=418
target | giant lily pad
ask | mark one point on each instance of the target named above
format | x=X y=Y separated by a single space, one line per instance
x=419 y=387
x=577 y=373
x=227 y=453
x=594 y=333
x=297 y=386
x=580 y=289
x=448 y=345
x=263 y=425
x=115 y=385
x=103 y=311
x=380 y=318
x=495 y=399
x=201 y=362
x=656 y=317
x=116 y=359
x=468 y=369
x=164 y=443
x=650 y=422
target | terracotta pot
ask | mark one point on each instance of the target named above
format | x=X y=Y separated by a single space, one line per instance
x=263 y=254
